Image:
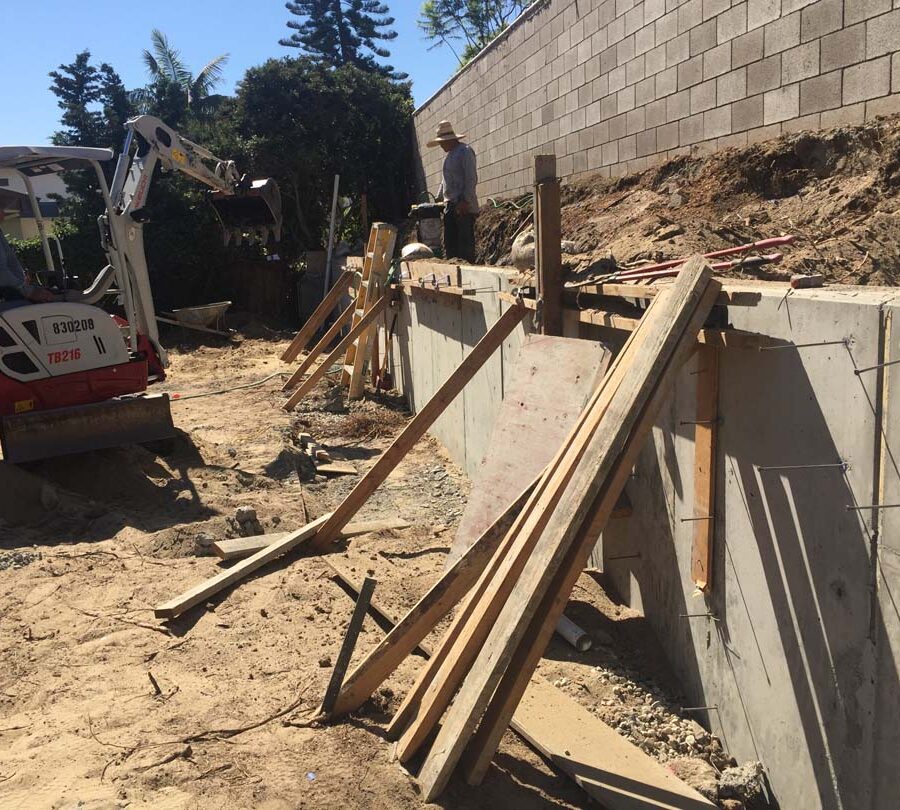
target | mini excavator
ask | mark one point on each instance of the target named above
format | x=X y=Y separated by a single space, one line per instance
x=74 y=377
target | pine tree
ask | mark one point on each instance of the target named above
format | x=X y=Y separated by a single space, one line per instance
x=343 y=32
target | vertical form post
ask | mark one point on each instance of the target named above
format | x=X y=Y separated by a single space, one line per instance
x=334 y=201
x=705 y=431
x=548 y=255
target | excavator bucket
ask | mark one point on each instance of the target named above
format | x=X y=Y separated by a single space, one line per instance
x=46 y=434
x=254 y=210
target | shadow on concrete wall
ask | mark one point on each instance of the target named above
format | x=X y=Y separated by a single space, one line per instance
x=817 y=571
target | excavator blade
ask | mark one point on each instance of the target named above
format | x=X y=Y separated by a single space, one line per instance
x=254 y=209
x=47 y=434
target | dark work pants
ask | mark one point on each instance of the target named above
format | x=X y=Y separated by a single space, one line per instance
x=459 y=236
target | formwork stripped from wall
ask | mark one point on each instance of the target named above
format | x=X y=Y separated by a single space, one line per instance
x=617 y=85
x=796 y=649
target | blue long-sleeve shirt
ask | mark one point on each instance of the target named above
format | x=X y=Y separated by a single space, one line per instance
x=11 y=272
x=460 y=176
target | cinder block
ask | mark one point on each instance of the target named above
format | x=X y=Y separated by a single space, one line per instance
x=634 y=19
x=635 y=121
x=690 y=15
x=731 y=87
x=732 y=23
x=760 y=12
x=644 y=39
x=646 y=142
x=634 y=70
x=895 y=73
x=763 y=133
x=703 y=97
x=600 y=87
x=717 y=61
x=781 y=104
x=666 y=82
x=608 y=60
x=654 y=9
x=747 y=48
x=645 y=92
x=617 y=79
x=606 y=12
x=625 y=50
x=609 y=153
x=678 y=106
x=615 y=31
x=857 y=10
x=883 y=35
x=800 y=63
x=656 y=113
x=849 y=115
x=666 y=27
x=820 y=93
x=821 y=18
x=802 y=124
x=867 y=80
x=782 y=34
x=623 y=5
x=655 y=60
x=678 y=50
x=843 y=48
x=711 y=8
x=625 y=99
x=690 y=130
x=717 y=122
x=609 y=106
x=617 y=127
x=790 y=6
x=703 y=37
x=764 y=75
x=888 y=105
x=747 y=114
x=736 y=141
x=690 y=72
x=627 y=147
x=667 y=136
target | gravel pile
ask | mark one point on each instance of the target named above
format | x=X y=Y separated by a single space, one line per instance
x=17 y=559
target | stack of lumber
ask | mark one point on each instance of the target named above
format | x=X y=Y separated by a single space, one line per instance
x=518 y=576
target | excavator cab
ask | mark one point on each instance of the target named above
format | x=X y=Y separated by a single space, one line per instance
x=253 y=210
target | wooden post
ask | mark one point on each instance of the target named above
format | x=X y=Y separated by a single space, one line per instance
x=547 y=252
x=705 y=429
x=346 y=653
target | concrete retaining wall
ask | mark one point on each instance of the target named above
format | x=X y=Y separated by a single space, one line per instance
x=613 y=86
x=801 y=659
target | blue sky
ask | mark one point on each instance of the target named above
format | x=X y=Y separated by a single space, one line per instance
x=37 y=41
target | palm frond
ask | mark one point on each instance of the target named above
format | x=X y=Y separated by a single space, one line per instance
x=208 y=77
x=151 y=64
x=169 y=57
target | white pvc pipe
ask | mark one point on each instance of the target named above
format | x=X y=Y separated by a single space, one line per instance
x=334 y=200
x=572 y=633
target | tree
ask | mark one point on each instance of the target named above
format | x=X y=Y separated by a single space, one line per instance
x=302 y=122
x=167 y=69
x=343 y=32
x=475 y=22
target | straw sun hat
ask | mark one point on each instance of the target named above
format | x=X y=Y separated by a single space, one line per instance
x=445 y=133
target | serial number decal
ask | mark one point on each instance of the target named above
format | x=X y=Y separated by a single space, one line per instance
x=64 y=356
x=73 y=325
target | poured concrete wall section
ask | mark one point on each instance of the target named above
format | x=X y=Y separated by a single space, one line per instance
x=617 y=85
x=801 y=660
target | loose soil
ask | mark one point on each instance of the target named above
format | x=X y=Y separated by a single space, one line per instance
x=102 y=706
x=837 y=190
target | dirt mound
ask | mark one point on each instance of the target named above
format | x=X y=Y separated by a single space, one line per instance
x=838 y=191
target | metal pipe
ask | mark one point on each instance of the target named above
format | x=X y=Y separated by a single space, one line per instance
x=572 y=633
x=334 y=199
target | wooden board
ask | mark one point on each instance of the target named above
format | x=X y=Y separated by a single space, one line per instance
x=213 y=585
x=670 y=316
x=319 y=316
x=245 y=546
x=337 y=468
x=705 y=431
x=516 y=678
x=416 y=428
x=603 y=763
x=327 y=339
x=547 y=389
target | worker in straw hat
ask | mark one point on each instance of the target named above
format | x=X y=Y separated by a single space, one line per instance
x=459 y=177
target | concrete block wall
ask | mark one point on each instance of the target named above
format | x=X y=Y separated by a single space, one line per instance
x=613 y=86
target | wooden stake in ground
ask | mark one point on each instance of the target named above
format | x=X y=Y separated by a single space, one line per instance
x=319 y=316
x=705 y=430
x=603 y=450
x=547 y=250
x=349 y=644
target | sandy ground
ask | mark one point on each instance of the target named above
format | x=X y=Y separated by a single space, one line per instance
x=102 y=706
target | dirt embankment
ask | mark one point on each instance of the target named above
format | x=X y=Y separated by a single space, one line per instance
x=838 y=191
